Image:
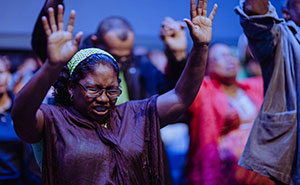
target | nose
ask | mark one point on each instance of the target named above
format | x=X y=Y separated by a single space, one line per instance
x=102 y=97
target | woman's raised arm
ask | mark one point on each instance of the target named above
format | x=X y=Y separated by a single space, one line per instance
x=173 y=103
x=28 y=120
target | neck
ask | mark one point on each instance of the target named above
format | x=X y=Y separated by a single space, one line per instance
x=230 y=90
x=228 y=81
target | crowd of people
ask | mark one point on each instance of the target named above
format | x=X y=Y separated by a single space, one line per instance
x=95 y=110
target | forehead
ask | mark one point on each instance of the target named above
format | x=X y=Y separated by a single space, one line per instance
x=102 y=74
x=219 y=49
x=114 y=44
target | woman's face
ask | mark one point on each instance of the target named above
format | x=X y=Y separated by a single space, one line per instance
x=222 y=62
x=97 y=107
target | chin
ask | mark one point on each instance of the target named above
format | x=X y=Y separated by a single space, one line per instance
x=100 y=117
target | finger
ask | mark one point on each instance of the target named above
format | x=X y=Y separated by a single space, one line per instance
x=46 y=26
x=53 y=25
x=182 y=25
x=167 y=22
x=213 y=12
x=178 y=25
x=162 y=34
x=78 y=38
x=199 y=7
x=193 y=9
x=60 y=17
x=169 y=19
x=70 y=26
x=164 y=25
x=204 y=9
x=190 y=25
x=166 y=28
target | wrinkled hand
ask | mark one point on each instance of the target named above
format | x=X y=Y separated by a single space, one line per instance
x=200 y=26
x=173 y=34
x=60 y=46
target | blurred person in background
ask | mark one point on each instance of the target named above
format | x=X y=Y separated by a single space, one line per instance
x=24 y=72
x=17 y=164
x=221 y=118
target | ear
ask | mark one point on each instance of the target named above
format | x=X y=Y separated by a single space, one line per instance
x=94 y=39
x=286 y=14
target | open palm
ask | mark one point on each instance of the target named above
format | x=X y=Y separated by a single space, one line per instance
x=60 y=44
x=200 y=25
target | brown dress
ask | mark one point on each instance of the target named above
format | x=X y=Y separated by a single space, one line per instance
x=80 y=152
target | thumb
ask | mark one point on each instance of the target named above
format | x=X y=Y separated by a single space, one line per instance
x=189 y=24
x=78 y=38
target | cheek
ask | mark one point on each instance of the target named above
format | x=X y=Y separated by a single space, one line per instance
x=81 y=102
x=4 y=78
x=221 y=68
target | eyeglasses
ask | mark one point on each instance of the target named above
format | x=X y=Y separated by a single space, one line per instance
x=94 y=92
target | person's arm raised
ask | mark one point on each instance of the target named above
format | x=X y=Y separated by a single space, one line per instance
x=38 y=37
x=28 y=119
x=173 y=34
x=173 y=103
x=256 y=7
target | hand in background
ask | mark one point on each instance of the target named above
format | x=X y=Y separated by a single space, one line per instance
x=173 y=34
x=200 y=25
x=60 y=45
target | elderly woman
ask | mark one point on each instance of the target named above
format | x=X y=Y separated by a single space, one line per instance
x=87 y=139
x=221 y=118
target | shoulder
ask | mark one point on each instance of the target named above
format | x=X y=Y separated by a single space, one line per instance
x=252 y=82
x=51 y=109
x=208 y=90
x=138 y=105
x=208 y=86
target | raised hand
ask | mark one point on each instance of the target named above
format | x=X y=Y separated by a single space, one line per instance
x=60 y=45
x=200 y=25
x=173 y=34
